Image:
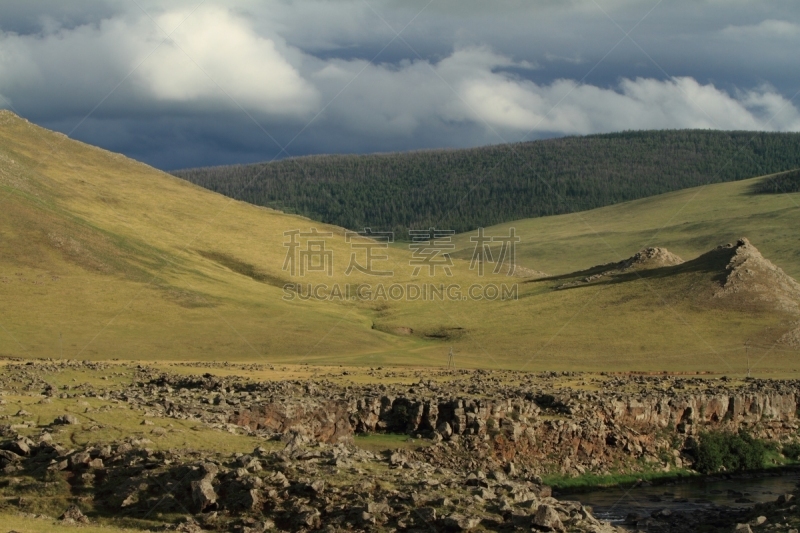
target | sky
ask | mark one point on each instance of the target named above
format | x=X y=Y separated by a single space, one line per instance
x=195 y=83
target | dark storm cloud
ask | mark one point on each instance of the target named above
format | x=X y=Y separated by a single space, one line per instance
x=25 y=17
x=238 y=81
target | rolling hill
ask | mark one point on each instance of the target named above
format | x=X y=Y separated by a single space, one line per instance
x=105 y=257
x=462 y=190
x=102 y=257
x=687 y=222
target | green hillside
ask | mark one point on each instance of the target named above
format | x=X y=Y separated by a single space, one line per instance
x=465 y=189
x=688 y=223
x=102 y=257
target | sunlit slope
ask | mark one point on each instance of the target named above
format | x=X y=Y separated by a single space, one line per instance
x=687 y=222
x=101 y=256
x=670 y=318
x=666 y=322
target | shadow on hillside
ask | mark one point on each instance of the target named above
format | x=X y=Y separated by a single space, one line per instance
x=785 y=182
x=713 y=262
x=243 y=268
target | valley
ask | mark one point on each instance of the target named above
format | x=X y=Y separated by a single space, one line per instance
x=107 y=258
x=173 y=359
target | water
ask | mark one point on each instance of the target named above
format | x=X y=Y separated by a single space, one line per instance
x=614 y=504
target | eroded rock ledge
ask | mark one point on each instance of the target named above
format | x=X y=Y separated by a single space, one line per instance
x=540 y=426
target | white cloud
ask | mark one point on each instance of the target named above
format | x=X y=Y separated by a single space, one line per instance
x=210 y=56
x=565 y=106
x=473 y=87
x=287 y=61
x=767 y=29
x=212 y=49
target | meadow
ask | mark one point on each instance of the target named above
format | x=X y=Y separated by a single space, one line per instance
x=105 y=258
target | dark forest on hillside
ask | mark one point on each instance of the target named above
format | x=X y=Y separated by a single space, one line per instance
x=463 y=189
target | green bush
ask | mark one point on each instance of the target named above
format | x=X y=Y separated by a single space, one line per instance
x=729 y=451
x=401 y=416
x=792 y=451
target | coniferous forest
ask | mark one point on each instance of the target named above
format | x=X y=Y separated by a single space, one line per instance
x=467 y=188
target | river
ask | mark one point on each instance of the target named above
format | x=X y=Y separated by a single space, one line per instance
x=614 y=504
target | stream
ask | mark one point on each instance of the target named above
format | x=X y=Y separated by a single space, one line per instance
x=614 y=504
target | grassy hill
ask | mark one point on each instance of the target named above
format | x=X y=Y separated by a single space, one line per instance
x=462 y=190
x=102 y=257
x=688 y=223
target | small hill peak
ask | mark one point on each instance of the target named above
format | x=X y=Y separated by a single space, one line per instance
x=645 y=259
x=750 y=274
x=653 y=257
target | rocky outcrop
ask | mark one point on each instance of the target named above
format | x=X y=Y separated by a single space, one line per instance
x=750 y=276
x=485 y=419
x=302 y=487
x=584 y=430
x=645 y=259
x=321 y=421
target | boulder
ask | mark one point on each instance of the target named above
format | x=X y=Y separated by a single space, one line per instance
x=547 y=519
x=459 y=522
x=80 y=458
x=7 y=457
x=66 y=419
x=73 y=515
x=203 y=494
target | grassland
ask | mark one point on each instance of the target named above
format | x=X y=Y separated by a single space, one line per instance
x=687 y=222
x=102 y=257
x=102 y=421
x=26 y=524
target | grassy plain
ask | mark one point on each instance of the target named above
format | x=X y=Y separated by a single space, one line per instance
x=687 y=222
x=102 y=257
x=26 y=524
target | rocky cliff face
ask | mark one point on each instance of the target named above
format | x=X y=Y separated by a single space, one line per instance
x=491 y=438
x=479 y=418
x=581 y=431
x=576 y=430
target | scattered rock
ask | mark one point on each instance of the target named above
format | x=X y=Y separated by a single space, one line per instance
x=66 y=419
x=73 y=515
x=547 y=519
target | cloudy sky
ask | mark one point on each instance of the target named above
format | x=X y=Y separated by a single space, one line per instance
x=190 y=83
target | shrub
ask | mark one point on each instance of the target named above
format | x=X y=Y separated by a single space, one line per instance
x=729 y=451
x=792 y=451
x=401 y=416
